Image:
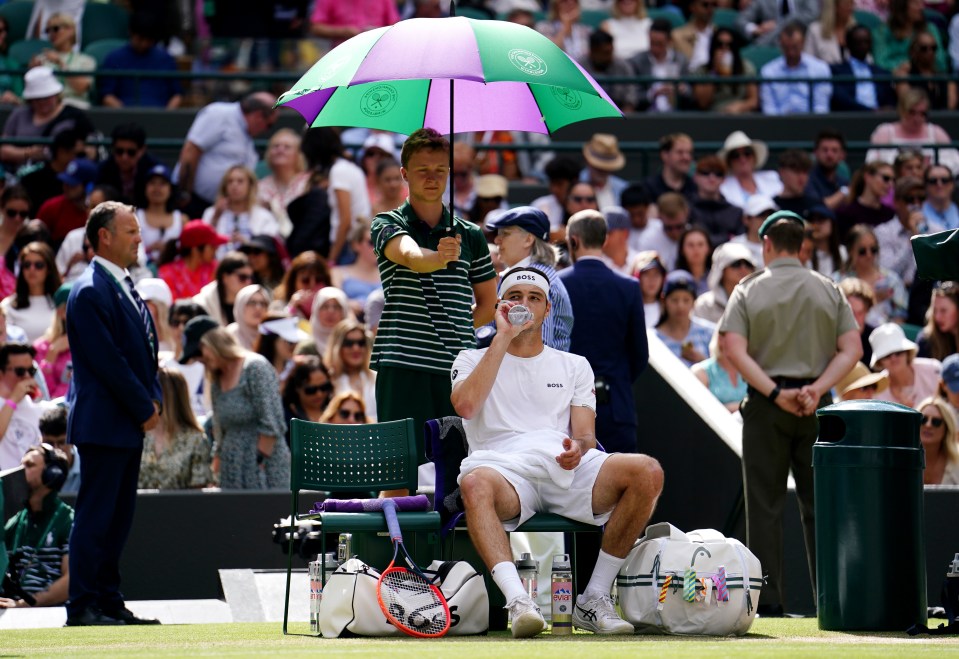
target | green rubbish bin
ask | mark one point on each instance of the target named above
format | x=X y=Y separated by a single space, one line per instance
x=870 y=550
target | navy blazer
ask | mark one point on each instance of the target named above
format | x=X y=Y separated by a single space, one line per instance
x=114 y=366
x=844 y=93
x=609 y=329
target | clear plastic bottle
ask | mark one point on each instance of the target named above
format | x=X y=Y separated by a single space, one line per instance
x=528 y=570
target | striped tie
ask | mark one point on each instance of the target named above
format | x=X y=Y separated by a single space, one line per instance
x=142 y=308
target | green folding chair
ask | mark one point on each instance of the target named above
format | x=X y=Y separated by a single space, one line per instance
x=104 y=21
x=338 y=458
x=24 y=51
x=760 y=55
x=867 y=18
x=674 y=17
x=99 y=50
x=18 y=18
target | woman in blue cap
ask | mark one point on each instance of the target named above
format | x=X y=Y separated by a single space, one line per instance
x=686 y=336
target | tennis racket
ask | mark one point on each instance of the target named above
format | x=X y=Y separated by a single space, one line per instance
x=407 y=598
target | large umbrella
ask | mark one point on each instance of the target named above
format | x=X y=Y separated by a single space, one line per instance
x=503 y=76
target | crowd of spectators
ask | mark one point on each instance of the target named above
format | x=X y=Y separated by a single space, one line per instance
x=261 y=276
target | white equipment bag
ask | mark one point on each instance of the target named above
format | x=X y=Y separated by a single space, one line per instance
x=699 y=582
x=349 y=607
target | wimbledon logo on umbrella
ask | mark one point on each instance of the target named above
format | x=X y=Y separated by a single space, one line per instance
x=570 y=98
x=378 y=100
x=528 y=62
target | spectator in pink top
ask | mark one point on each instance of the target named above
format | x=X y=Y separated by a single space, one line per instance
x=338 y=20
x=53 y=348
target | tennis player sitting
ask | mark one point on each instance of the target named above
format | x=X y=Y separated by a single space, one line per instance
x=529 y=415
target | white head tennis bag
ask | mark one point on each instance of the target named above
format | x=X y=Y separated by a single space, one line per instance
x=349 y=606
x=699 y=582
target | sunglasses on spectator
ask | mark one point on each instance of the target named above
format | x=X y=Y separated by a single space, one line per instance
x=674 y=228
x=741 y=263
x=934 y=180
x=581 y=199
x=176 y=322
x=914 y=198
x=926 y=48
x=346 y=414
x=886 y=178
x=243 y=276
x=867 y=250
x=119 y=151
x=741 y=153
x=934 y=421
x=313 y=389
x=13 y=212
x=23 y=370
x=255 y=251
x=53 y=29
x=36 y=265
x=354 y=343
x=712 y=172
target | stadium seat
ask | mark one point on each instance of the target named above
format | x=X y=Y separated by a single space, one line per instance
x=867 y=18
x=343 y=458
x=18 y=17
x=725 y=17
x=474 y=12
x=104 y=21
x=593 y=17
x=911 y=331
x=760 y=55
x=674 y=17
x=98 y=50
x=23 y=51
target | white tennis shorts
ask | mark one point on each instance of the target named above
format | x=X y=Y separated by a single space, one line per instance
x=542 y=495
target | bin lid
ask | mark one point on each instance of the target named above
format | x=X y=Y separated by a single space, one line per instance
x=869 y=423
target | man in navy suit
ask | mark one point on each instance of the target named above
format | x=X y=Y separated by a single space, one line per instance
x=610 y=330
x=115 y=399
x=866 y=94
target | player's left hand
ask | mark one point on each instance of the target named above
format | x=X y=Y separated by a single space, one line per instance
x=571 y=455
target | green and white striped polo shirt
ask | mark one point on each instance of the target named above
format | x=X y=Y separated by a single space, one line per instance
x=38 y=542
x=427 y=318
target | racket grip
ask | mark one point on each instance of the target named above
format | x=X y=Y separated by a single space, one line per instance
x=392 y=523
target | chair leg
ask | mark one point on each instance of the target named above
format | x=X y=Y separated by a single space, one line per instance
x=289 y=572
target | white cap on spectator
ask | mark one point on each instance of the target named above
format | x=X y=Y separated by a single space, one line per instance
x=155 y=290
x=39 y=82
x=758 y=204
x=286 y=328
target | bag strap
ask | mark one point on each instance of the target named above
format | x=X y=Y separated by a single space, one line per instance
x=443 y=570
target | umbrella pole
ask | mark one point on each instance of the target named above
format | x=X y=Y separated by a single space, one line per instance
x=449 y=229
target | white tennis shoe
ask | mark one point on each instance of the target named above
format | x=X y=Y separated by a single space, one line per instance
x=599 y=616
x=527 y=619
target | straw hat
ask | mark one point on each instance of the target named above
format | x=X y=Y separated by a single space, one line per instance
x=860 y=376
x=887 y=339
x=39 y=82
x=739 y=140
x=490 y=186
x=602 y=152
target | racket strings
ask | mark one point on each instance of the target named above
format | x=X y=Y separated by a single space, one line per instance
x=410 y=601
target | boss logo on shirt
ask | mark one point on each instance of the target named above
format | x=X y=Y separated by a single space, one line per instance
x=554 y=385
x=455 y=373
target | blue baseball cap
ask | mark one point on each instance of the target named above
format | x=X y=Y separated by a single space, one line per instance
x=950 y=372
x=617 y=218
x=679 y=280
x=162 y=171
x=527 y=218
x=79 y=172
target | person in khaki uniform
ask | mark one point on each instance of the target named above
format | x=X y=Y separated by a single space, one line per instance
x=792 y=335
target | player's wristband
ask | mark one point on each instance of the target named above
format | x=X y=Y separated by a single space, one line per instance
x=9 y=403
x=774 y=394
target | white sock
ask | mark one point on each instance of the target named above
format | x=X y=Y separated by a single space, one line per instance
x=506 y=577
x=601 y=581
